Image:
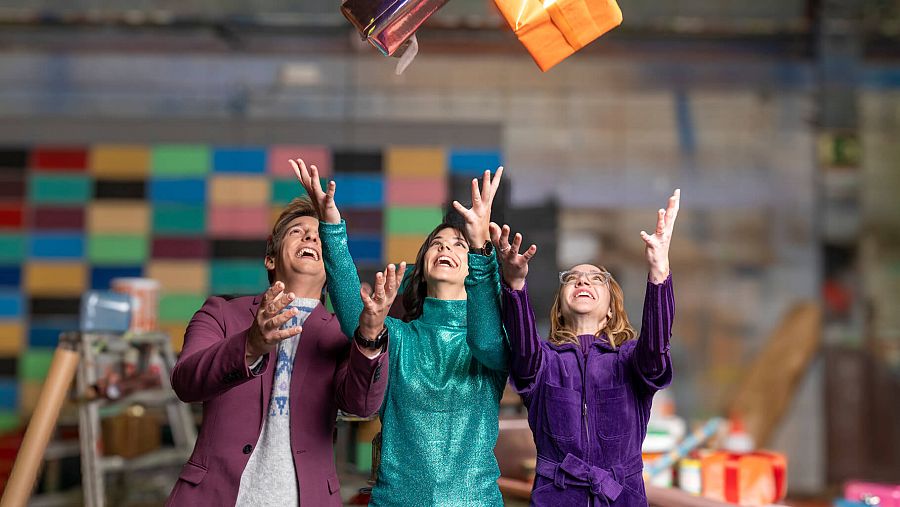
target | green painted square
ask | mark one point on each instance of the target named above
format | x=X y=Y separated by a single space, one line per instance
x=363 y=457
x=52 y=188
x=180 y=160
x=237 y=277
x=178 y=220
x=35 y=363
x=412 y=220
x=179 y=307
x=285 y=190
x=116 y=249
x=9 y=420
x=12 y=247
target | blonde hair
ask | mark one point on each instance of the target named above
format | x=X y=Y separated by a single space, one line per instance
x=618 y=329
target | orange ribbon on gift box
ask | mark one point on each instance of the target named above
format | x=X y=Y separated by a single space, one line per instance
x=754 y=478
x=552 y=30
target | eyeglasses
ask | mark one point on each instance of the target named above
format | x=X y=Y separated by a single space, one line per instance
x=595 y=278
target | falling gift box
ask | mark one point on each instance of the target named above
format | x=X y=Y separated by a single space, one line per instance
x=389 y=24
x=552 y=30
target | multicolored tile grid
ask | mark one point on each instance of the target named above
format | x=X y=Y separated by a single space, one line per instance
x=194 y=217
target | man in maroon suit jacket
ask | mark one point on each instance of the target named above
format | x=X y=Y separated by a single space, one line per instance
x=227 y=361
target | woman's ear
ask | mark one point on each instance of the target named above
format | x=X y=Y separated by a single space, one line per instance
x=270 y=263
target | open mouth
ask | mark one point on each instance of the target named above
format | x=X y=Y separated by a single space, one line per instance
x=584 y=294
x=308 y=253
x=445 y=262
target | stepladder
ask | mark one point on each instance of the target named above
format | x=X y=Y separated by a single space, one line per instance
x=118 y=373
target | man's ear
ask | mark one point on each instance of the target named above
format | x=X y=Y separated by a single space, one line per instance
x=270 y=263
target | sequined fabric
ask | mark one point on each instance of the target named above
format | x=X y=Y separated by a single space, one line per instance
x=447 y=373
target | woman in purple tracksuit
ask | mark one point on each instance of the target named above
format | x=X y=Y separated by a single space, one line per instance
x=589 y=387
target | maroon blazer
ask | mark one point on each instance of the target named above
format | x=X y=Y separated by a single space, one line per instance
x=330 y=372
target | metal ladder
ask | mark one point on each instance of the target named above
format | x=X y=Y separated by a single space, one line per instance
x=94 y=465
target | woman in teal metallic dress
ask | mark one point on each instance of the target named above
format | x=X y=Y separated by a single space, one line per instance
x=448 y=356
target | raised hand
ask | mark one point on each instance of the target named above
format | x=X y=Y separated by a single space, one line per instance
x=478 y=217
x=513 y=265
x=377 y=304
x=265 y=333
x=657 y=244
x=321 y=199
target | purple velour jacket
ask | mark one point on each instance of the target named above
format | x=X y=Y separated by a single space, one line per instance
x=330 y=372
x=588 y=406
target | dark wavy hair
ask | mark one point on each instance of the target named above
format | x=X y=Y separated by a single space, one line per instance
x=416 y=288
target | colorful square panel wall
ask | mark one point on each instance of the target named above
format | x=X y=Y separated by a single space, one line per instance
x=194 y=217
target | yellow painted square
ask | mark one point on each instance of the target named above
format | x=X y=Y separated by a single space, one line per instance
x=190 y=277
x=240 y=190
x=12 y=336
x=415 y=161
x=175 y=330
x=119 y=217
x=55 y=279
x=120 y=161
x=403 y=248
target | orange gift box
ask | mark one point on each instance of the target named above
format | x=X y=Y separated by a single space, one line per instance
x=755 y=478
x=553 y=30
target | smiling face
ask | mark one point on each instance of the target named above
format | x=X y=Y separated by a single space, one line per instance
x=300 y=256
x=446 y=260
x=584 y=292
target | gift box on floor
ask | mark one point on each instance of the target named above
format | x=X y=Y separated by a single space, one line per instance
x=131 y=433
x=754 y=478
x=388 y=24
x=552 y=30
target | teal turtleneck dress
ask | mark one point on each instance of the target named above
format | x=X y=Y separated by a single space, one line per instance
x=448 y=369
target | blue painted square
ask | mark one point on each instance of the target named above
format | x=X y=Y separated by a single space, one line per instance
x=10 y=304
x=57 y=246
x=9 y=394
x=474 y=162
x=179 y=191
x=239 y=160
x=10 y=276
x=359 y=190
x=43 y=332
x=100 y=277
x=365 y=249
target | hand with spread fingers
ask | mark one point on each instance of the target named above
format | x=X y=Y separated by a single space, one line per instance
x=266 y=331
x=657 y=244
x=513 y=265
x=377 y=304
x=478 y=217
x=323 y=200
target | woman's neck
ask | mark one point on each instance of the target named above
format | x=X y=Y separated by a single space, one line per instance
x=446 y=291
x=585 y=324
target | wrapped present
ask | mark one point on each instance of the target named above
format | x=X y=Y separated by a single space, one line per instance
x=389 y=24
x=131 y=433
x=754 y=478
x=552 y=30
x=870 y=493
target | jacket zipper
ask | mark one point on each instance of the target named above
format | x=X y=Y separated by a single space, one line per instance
x=584 y=417
x=582 y=363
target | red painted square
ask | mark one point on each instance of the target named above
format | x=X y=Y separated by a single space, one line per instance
x=58 y=218
x=11 y=216
x=180 y=248
x=60 y=158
